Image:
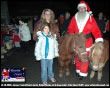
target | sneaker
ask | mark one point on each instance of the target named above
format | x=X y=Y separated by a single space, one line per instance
x=53 y=80
x=44 y=83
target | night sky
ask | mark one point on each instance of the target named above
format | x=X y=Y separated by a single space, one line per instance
x=35 y=7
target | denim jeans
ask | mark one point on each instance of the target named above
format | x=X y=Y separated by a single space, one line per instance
x=46 y=65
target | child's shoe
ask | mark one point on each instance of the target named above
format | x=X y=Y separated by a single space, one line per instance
x=44 y=83
x=53 y=79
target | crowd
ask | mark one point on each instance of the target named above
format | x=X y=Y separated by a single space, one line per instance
x=47 y=30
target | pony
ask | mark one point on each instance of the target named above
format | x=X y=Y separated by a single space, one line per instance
x=71 y=45
x=99 y=54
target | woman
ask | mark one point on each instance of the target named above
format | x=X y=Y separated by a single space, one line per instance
x=47 y=16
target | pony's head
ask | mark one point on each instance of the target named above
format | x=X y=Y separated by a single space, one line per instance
x=95 y=55
x=78 y=46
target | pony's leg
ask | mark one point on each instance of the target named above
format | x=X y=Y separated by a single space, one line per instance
x=92 y=74
x=99 y=74
x=61 y=68
x=67 y=67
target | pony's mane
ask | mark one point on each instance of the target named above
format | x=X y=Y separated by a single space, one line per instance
x=80 y=36
x=97 y=48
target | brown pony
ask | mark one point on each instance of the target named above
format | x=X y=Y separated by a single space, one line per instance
x=99 y=54
x=71 y=45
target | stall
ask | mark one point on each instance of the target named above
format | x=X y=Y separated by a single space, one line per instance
x=6 y=39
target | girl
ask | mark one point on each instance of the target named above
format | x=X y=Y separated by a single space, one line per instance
x=45 y=50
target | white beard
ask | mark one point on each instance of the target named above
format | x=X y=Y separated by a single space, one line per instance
x=81 y=17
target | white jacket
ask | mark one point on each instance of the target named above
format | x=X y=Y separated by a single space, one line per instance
x=25 y=32
x=40 y=47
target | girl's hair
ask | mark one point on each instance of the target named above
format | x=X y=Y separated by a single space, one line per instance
x=52 y=19
x=43 y=25
x=46 y=24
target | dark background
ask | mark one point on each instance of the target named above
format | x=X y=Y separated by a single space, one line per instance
x=35 y=7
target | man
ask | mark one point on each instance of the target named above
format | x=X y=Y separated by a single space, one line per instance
x=65 y=24
x=100 y=22
x=84 y=22
x=35 y=21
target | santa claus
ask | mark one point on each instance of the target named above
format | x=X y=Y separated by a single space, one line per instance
x=5 y=74
x=83 y=21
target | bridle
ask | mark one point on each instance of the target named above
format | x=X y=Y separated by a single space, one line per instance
x=79 y=54
x=96 y=63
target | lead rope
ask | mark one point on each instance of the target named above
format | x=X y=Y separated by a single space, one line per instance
x=73 y=60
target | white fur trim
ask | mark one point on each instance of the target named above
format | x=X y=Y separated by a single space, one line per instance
x=77 y=71
x=99 y=39
x=90 y=12
x=83 y=74
x=82 y=4
x=81 y=26
x=88 y=49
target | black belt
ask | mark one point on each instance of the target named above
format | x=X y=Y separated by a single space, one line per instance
x=88 y=36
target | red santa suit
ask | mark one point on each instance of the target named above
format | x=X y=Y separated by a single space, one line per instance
x=5 y=74
x=87 y=26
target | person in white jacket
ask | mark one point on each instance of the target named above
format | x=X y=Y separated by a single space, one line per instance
x=25 y=35
x=45 y=50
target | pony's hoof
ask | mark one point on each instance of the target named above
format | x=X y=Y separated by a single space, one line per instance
x=99 y=79
x=60 y=75
x=67 y=73
x=92 y=74
x=99 y=76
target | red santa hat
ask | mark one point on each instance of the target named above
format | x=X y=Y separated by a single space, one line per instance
x=83 y=3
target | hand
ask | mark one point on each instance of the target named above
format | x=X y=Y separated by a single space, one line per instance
x=34 y=37
x=56 y=56
x=104 y=31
